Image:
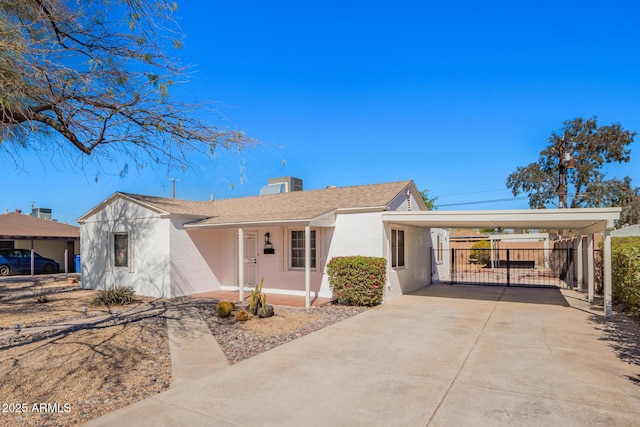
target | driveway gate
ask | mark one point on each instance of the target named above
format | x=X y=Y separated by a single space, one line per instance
x=549 y=268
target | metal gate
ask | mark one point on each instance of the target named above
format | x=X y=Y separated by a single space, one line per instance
x=250 y=260
x=549 y=268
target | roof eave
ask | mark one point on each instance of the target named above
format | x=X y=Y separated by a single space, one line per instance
x=243 y=224
x=124 y=196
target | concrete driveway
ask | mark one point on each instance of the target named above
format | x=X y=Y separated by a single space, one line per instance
x=442 y=356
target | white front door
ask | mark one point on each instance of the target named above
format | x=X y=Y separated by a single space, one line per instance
x=250 y=260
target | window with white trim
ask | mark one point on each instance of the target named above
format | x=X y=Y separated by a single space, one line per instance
x=297 y=249
x=121 y=249
x=397 y=248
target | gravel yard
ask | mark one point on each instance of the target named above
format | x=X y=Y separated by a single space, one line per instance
x=242 y=340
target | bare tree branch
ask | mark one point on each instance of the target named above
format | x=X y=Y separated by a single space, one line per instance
x=99 y=79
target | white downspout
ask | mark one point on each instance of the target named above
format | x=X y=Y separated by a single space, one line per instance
x=307 y=266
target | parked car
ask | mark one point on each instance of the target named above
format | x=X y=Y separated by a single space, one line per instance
x=16 y=261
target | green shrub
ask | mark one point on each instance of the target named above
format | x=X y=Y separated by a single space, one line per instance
x=117 y=295
x=357 y=280
x=481 y=251
x=625 y=272
x=225 y=308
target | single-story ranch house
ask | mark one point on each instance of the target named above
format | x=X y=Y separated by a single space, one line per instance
x=167 y=247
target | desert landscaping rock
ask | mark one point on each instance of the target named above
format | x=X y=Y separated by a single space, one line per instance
x=242 y=340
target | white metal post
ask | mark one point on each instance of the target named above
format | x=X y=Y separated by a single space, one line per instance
x=579 y=272
x=33 y=265
x=307 y=266
x=606 y=263
x=66 y=257
x=241 y=262
x=590 y=271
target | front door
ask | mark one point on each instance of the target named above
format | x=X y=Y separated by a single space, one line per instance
x=250 y=259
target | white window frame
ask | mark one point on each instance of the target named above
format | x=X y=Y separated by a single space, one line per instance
x=397 y=250
x=314 y=248
x=129 y=265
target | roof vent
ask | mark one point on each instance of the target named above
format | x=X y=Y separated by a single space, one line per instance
x=284 y=184
x=329 y=187
x=19 y=211
x=272 y=189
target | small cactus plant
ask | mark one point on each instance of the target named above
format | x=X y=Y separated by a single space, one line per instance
x=225 y=308
x=258 y=302
x=242 y=316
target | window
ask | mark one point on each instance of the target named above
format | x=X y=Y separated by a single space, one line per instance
x=397 y=248
x=297 y=249
x=121 y=250
x=440 y=249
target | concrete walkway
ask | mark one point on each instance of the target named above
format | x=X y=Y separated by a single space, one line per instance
x=193 y=349
x=464 y=356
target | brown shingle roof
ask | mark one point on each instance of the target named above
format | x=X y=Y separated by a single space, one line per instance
x=14 y=225
x=296 y=205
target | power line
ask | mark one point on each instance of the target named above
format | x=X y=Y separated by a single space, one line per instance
x=483 y=201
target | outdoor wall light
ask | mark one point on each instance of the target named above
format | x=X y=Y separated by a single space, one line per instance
x=17 y=328
x=268 y=247
x=84 y=310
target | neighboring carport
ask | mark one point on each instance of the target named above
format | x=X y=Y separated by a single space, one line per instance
x=17 y=229
x=585 y=222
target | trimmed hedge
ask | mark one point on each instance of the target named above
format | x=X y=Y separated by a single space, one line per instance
x=357 y=280
x=625 y=272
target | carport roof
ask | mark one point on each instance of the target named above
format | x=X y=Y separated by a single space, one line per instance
x=584 y=221
x=16 y=226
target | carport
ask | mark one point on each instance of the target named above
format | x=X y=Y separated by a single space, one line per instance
x=585 y=222
x=25 y=229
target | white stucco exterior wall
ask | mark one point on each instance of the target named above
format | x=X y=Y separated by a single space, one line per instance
x=189 y=271
x=440 y=270
x=149 y=249
x=354 y=234
x=416 y=272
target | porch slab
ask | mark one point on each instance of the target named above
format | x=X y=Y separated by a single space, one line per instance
x=274 y=299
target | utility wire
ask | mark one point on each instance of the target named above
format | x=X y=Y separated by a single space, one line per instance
x=483 y=201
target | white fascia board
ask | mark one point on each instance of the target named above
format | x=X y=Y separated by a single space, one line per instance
x=531 y=219
x=123 y=196
x=196 y=226
x=191 y=216
x=361 y=209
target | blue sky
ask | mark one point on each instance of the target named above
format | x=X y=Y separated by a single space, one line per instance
x=454 y=95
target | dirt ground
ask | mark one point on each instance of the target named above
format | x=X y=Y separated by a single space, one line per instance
x=70 y=378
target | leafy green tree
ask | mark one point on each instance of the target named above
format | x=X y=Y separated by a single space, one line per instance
x=93 y=78
x=589 y=147
x=631 y=212
x=430 y=202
